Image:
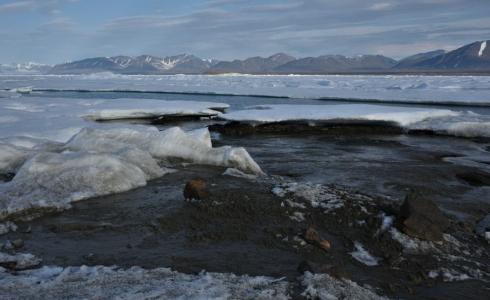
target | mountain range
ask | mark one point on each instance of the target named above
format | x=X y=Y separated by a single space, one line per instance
x=471 y=58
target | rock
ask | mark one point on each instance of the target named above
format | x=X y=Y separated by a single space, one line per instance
x=196 y=189
x=483 y=228
x=17 y=244
x=9 y=265
x=312 y=237
x=8 y=245
x=421 y=218
x=475 y=178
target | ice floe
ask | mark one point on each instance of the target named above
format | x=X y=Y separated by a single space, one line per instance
x=101 y=282
x=58 y=119
x=444 y=121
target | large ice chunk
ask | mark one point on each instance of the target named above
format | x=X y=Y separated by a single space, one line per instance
x=98 y=162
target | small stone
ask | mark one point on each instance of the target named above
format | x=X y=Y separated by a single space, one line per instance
x=9 y=265
x=483 y=227
x=196 y=189
x=325 y=245
x=17 y=244
x=421 y=218
x=312 y=237
x=89 y=256
x=8 y=245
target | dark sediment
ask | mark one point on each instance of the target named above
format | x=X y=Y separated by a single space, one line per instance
x=296 y=127
x=241 y=228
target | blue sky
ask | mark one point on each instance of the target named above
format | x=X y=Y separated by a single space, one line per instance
x=53 y=31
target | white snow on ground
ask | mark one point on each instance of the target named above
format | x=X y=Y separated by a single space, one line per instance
x=58 y=119
x=325 y=287
x=237 y=173
x=20 y=260
x=317 y=195
x=467 y=124
x=363 y=256
x=411 y=245
x=98 y=162
x=100 y=282
x=7 y=227
x=386 y=88
x=483 y=46
x=448 y=275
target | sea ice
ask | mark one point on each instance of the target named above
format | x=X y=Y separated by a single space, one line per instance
x=444 y=121
x=58 y=119
x=98 y=162
x=383 y=88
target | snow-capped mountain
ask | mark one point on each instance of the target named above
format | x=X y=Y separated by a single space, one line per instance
x=473 y=57
x=25 y=68
x=143 y=64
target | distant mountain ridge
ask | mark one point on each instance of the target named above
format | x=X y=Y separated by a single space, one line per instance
x=474 y=56
x=143 y=64
x=471 y=58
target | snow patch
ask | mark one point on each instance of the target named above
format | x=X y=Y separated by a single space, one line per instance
x=325 y=287
x=19 y=260
x=483 y=46
x=448 y=275
x=237 y=173
x=51 y=282
x=411 y=245
x=7 y=227
x=363 y=256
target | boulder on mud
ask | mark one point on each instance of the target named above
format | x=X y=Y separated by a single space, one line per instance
x=483 y=228
x=196 y=189
x=421 y=218
x=314 y=238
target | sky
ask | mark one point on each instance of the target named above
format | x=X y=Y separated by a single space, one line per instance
x=56 y=31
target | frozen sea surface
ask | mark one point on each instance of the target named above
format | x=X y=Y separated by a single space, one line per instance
x=465 y=90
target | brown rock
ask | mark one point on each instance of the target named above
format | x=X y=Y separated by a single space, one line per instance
x=196 y=189
x=312 y=237
x=421 y=218
x=18 y=244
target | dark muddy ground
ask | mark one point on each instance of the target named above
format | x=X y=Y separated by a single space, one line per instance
x=245 y=229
